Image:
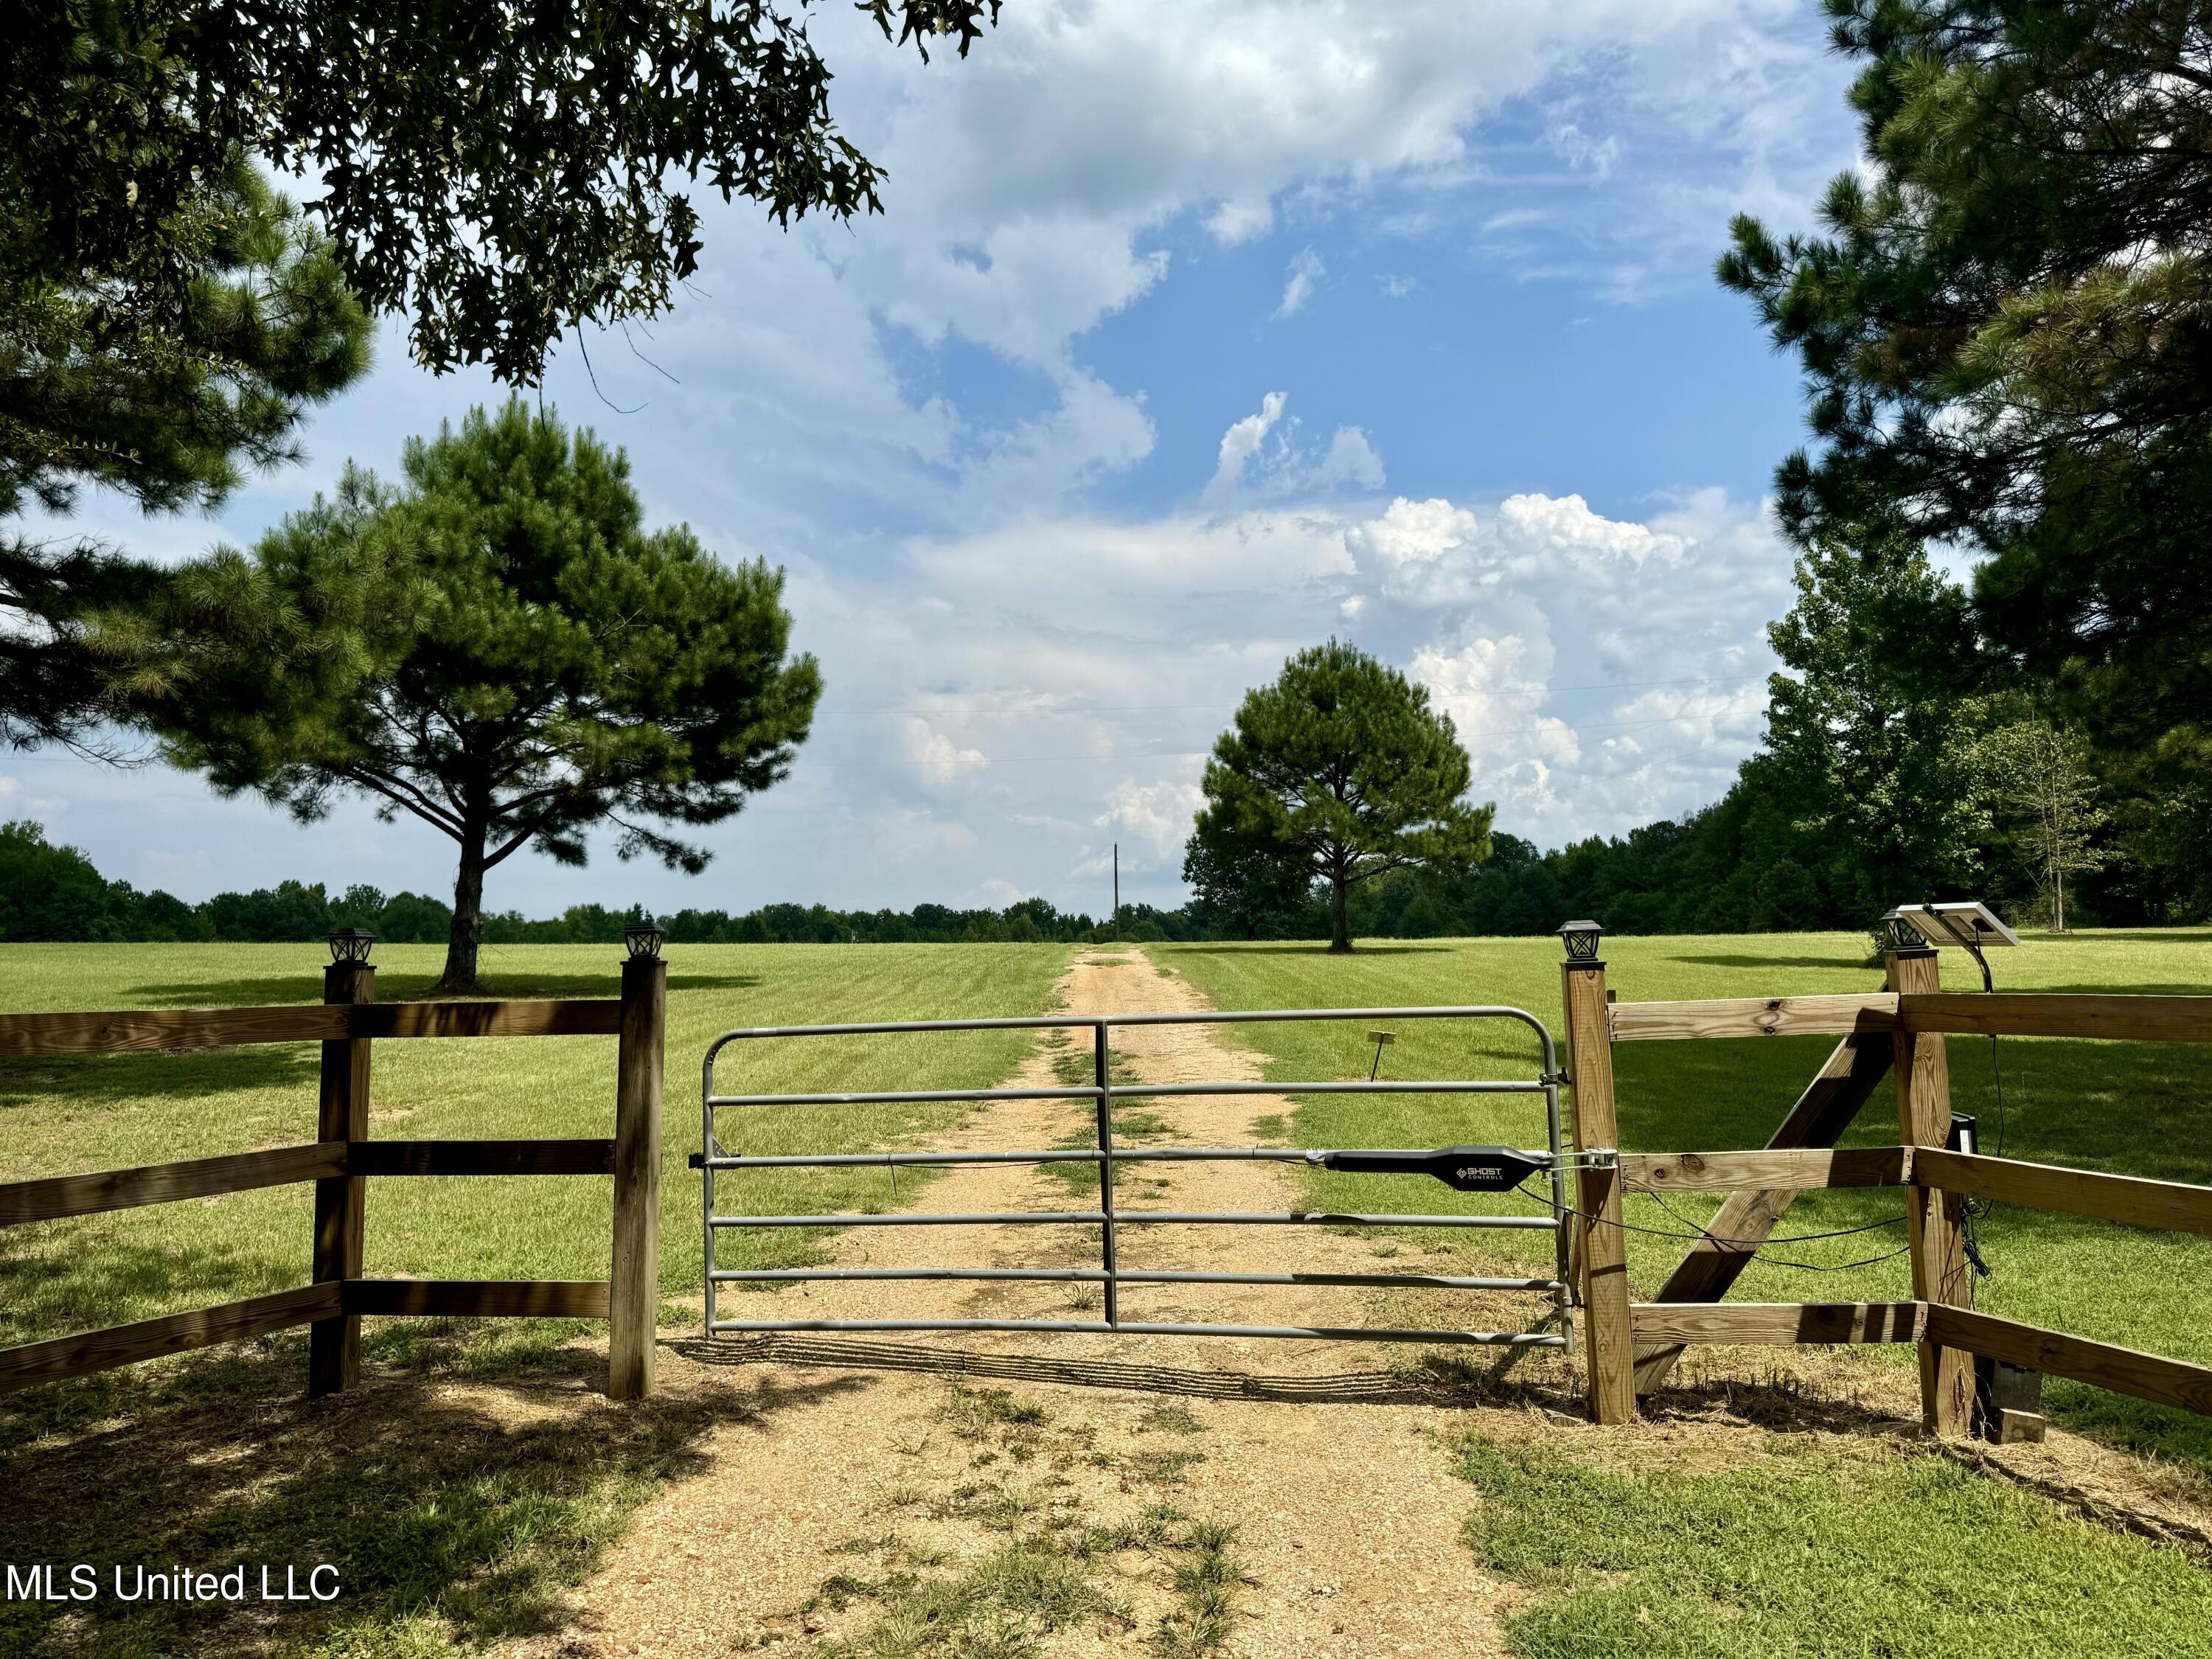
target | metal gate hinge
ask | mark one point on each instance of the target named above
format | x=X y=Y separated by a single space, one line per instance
x=1556 y=1079
x=1593 y=1158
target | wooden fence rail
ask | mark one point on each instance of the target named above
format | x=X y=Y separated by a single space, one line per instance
x=1794 y=1168
x=176 y=1031
x=1735 y=1017
x=2057 y=1014
x=1772 y=1323
x=2005 y=1013
x=58 y=1196
x=1896 y=1032
x=347 y=1024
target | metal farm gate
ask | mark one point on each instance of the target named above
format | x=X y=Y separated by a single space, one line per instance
x=1467 y=1168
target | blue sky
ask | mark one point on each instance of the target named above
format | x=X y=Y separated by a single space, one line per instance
x=1191 y=336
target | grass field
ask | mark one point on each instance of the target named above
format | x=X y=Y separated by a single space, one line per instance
x=2132 y=1109
x=101 y=1112
x=459 y=1525
x=1814 y=1552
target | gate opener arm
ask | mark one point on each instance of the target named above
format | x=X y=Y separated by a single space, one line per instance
x=1463 y=1169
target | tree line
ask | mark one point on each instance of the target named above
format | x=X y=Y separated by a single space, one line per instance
x=50 y=893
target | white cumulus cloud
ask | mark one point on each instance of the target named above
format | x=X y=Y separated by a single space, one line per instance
x=1351 y=459
x=1158 y=815
x=1306 y=273
x=1261 y=456
x=1240 y=444
x=936 y=757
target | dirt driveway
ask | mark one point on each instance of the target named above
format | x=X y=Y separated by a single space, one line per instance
x=1068 y=1494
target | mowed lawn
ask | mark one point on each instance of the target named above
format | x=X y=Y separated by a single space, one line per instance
x=458 y=1525
x=2133 y=1108
x=80 y=1114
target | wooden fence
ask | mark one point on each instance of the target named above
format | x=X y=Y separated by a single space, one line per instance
x=349 y=1023
x=1899 y=1032
x=1632 y=1346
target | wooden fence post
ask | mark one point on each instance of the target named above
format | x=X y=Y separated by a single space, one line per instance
x=1932 y=1219
x=334 y=1344
x=1601 y=1246
x=633 y=1286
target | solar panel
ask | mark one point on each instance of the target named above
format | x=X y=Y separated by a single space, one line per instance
x=1969 y=924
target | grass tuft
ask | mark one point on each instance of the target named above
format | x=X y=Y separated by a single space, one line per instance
x=1206 y=1578
x=1816 y=1559
x=999 y=1608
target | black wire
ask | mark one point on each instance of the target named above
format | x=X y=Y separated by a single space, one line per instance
x=1768 y=1260
x=1838 y=1267
x=1748 y=1246
x=1971 y=1210
x=1996 y=1066
x=1806 y=1267
x=1787 y=1238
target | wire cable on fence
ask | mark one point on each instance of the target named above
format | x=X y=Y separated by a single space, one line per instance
x=1746 y=1246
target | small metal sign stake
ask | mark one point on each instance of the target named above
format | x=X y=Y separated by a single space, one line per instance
x=1381 y=1040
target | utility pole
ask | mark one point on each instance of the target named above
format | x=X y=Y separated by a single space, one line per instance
x=1117 y=892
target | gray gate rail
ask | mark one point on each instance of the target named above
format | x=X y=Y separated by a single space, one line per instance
x=1102 y=1093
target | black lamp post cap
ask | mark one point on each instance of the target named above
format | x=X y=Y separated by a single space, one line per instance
x=1581 y=938
x=643 y=939
x=351 y=945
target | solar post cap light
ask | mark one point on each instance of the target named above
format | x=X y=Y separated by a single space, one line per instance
x=1582 y=938
x=351 y=945
x=642 y=937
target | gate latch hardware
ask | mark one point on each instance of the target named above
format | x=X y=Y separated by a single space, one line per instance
x=1463 y=1169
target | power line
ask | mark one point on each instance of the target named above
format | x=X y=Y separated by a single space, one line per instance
x=1524 y=688
x=1199 y=754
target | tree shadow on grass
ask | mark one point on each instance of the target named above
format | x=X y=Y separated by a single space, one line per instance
x=82 y=1080
x=92 y=1282
x=1307 y=948
x=1843 y=960
x=276 y=989
x=2171 y=988
x=455 y=1515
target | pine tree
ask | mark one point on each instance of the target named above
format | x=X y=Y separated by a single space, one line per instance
x=168 y=401
x=502 y=650
x=2006 y=332
x=1339 y=772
